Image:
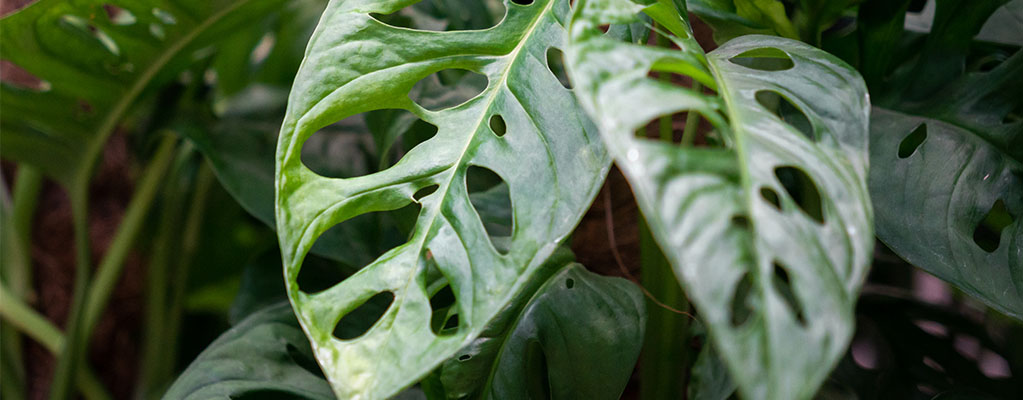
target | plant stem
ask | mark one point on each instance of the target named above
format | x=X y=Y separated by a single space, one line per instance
x=17 y=269
x=87 y=306
x=665 y=352
x=692 y=121
x=20 y=315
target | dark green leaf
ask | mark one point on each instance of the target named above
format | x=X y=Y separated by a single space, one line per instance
x=539 y=342
x=265 y=355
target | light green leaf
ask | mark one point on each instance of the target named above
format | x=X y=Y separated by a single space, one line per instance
x=947 y=150
x=95 y=58
x=264 y=355
x=770 y=234
x=549 y=156
x=575 y=318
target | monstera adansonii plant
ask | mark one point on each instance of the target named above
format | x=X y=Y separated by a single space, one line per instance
x=766 y=221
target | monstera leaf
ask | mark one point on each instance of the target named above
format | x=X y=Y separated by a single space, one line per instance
x=534 y=347
x=93 y=59
x=524 y=129
x=264 y=355
x=947 y=151
x=770 y=233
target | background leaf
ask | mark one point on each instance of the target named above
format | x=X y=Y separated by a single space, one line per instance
x=770 y=234
x=534 y=348
x=545 y=146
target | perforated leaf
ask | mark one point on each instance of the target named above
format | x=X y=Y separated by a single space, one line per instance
x=947 y=151
x=94 y=59
x=770 y=231
x=546 y=151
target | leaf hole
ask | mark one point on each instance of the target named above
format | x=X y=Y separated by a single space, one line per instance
x=764 y=59
x=802 y=190
x=988 y=234
x=13 y=75
x=81 y=28
x=357 y=322
x=788 y=112
x=426 y=191
x=491 y=198
x=445 y=15
x=523 y=2
x=497 y=125
x=556 y=64
x=741 y=222
x=464 y=357
x=913 y=141
x=783 y=285
x=447 y=89
x=570 y=283
x=350 y=148
x=865 y=352
x=443 y=311
x=262 y=49
x=356 y=243
x=538 y=378
x=771 y=197
x=119 y=16
x=740 y=307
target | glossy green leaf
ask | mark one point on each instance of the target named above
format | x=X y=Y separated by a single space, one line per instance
x=94 y=59
x=356 y=64
x=948 y=133
x=265 y=355
x=535 y=347
x=769 y=234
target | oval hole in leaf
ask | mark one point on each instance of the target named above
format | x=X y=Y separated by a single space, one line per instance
x=359 y=321
x=426 y=191
x=491 y=198
x=988 y=234
x=764 y=59
x=81 y=27
x=741 y=222
x=498 y=126
x=913 y=141
x=118 y=15
x=771 y=197
x=570 y=283
x=740 y=307
x=523 y=2
x=556 y=64
x=13 y=75
x=262 y=49
x=537 y=378
x=864 y=351
x=448 y=88
x=802 y=190
x=263 y=394
x=445 y=15
x=783 y=286
x=349 y=148
x=444 y=312
x=788 y=112
x=357 y=242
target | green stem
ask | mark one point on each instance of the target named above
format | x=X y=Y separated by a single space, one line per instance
x=190 y=244
x=17 y=269
x=665 y=352
x=20 y=315
x=110 y=267
x=27 y=186
x=692 y=121
x=70 y=355
x=89 y=300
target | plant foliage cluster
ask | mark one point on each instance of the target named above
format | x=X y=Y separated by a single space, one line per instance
x=379 y=195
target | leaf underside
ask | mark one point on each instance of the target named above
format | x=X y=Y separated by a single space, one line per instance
x=548 y=155
x=774 y=279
